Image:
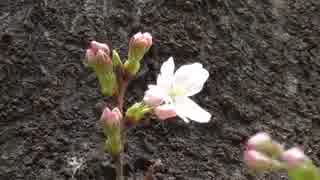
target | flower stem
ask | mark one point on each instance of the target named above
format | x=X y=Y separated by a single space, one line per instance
x=123 y=84
x=119 y=167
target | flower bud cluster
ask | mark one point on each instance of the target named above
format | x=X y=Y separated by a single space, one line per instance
x=113 y=77
x=263 y=153
x=107 y=66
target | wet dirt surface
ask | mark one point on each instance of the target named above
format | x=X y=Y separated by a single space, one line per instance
x=264 y=64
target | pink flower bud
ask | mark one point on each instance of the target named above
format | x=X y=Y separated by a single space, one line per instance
x=154 y=97
x=262 y=142
x=98 y=53
x=258 y=139
x=165 y=112
x=257 y=160
x=139 y=44
x=111 y=118
x=141 y=40
x=95 y=46
x=294 y=157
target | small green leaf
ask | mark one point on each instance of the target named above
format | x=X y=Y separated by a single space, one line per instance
x=116 y=61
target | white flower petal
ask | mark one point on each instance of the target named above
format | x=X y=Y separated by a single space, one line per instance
x=165 y=78
x=188 y=109
x=167 y=68
x=150 y=86
x=190 y=78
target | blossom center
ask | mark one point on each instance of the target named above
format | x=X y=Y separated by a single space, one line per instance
x=177 y=91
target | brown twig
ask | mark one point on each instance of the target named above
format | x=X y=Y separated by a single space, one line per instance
x=119 y=167
x=123 y=84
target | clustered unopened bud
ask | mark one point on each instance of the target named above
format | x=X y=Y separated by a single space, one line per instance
x=264 y=143
x=263 y=153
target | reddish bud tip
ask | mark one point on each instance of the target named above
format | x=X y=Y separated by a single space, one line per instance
x=95 y=46
x=142 y=40
x=111 y=118
x=98 y=53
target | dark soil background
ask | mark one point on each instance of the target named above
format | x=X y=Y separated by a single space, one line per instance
x=263 y=57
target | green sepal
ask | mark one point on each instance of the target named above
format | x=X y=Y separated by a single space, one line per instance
x=111 y=130
x=108 y=82
x=137 y=52
x=116 y=60
x=135 y=55
x=137 y=112
x=113 y=144
x=132 y=67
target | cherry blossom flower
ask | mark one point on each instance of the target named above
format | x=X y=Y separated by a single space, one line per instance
x=175 y=88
